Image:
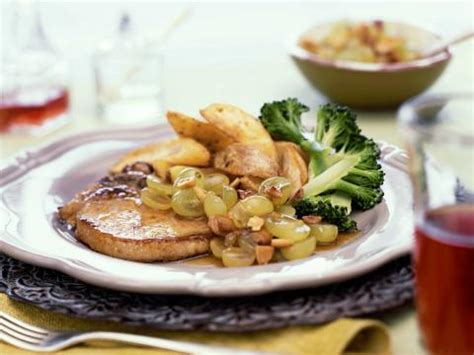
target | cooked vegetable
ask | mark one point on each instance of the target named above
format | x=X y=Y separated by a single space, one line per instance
x=240 y=126
x=205 y=133
x=179 y=151
x=341 y=159
x=333 y=210
x=243 y=159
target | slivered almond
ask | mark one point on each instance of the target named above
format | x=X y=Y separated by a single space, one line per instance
x=255 y=223
x=282 y=243
x=312 y=219
x=264 y=254
x=200 y=193
x=235 y=182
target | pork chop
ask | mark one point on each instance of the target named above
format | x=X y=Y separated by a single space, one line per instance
x=109 y=217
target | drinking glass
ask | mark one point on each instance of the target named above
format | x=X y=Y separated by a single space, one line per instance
x=439 y=133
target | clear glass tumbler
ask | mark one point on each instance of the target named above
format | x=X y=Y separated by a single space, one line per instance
x=439 y=133
x=128 y=78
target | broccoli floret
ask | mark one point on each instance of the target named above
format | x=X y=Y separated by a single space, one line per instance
x=342 y=160
x=336 y=126
x=330 y=207
x=282 y=119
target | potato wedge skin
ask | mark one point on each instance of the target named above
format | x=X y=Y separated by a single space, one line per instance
x=178 y=151
x=240 y=126
x=246 y=160
x=292 y=165
x=205 y=133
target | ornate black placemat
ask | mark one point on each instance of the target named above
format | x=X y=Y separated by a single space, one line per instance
x=387 y=287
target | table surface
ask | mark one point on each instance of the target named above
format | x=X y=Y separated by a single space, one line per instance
x=236 y=53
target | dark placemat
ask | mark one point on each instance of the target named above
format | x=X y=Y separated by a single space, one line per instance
x=385 y=288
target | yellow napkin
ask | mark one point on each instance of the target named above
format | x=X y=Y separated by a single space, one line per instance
x=338 y=337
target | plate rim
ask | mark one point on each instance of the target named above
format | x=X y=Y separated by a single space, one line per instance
x=30 y=158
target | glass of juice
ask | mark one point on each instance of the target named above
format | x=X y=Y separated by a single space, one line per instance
x=439 y=133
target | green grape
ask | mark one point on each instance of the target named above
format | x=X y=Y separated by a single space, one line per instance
x=237 y=257
x=230 y=196
x=287 y=227
x=324 y=233
x=286 y=210
x=217 y=247
x=215 y=182
x=247 y=243
x=257 y=205
x=189 y=177
x=277 y=189
x=175 y=170
x=155 y=201
x=239 y=215
x=185 y=203
x=213 y=205
x=300 y=250
x=158 y=186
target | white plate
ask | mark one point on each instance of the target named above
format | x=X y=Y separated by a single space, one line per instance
x=36 y=182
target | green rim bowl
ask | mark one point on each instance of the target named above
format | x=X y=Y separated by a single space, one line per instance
x=372 y=85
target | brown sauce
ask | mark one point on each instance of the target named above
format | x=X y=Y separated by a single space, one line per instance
x=209 y=260
x=342 y=239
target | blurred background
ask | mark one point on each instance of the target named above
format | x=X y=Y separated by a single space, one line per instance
x=235 y=52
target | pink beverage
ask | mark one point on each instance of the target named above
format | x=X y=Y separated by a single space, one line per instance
x=444 y=264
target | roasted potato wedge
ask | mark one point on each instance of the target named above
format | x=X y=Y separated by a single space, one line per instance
x=205 y=133
x=292 y=165
x=246 y=160
x=240 y=126
x=178 y=151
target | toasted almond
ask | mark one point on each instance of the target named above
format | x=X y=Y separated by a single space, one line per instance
x=262 y=237
x=220 y=225
x=255 y=223
x=312 y=219
x=282 y=243
x=264 y=254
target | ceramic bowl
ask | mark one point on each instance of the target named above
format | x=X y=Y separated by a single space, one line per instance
x=372 y=85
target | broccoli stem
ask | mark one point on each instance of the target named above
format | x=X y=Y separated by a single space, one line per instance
x=330 y=177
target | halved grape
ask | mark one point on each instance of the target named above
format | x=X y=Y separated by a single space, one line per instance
x=324 y=233
x=235 y=257
x=287 y=227
x=175 y=170
x=217 y=247
x=158 y=186
x=186 y=203
x=213 y=205
x=215 y=182
x=257 y=205
x=277 y=189
x=239 y=215
x=286 y=210
x=300 y=250
x=189 y=177
x=230 y=196
x=155 y=201
x=247 y=243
